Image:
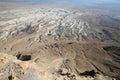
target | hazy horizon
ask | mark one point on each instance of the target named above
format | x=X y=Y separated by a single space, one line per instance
x=111 y=5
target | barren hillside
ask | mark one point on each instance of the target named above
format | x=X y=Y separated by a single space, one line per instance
x=58 y=44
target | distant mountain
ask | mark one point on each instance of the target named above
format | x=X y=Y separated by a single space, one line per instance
x=112 y=5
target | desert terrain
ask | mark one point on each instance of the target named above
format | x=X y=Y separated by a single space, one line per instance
x=58 y=43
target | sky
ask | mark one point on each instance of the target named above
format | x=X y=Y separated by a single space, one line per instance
x=91 y=1
x=85 y=2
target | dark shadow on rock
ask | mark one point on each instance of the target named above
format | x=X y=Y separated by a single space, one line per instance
x=23 y=57
x=91 y=73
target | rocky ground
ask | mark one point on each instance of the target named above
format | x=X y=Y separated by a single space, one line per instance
x=58 y=44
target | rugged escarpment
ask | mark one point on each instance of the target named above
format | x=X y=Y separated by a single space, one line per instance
x=58 y=44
